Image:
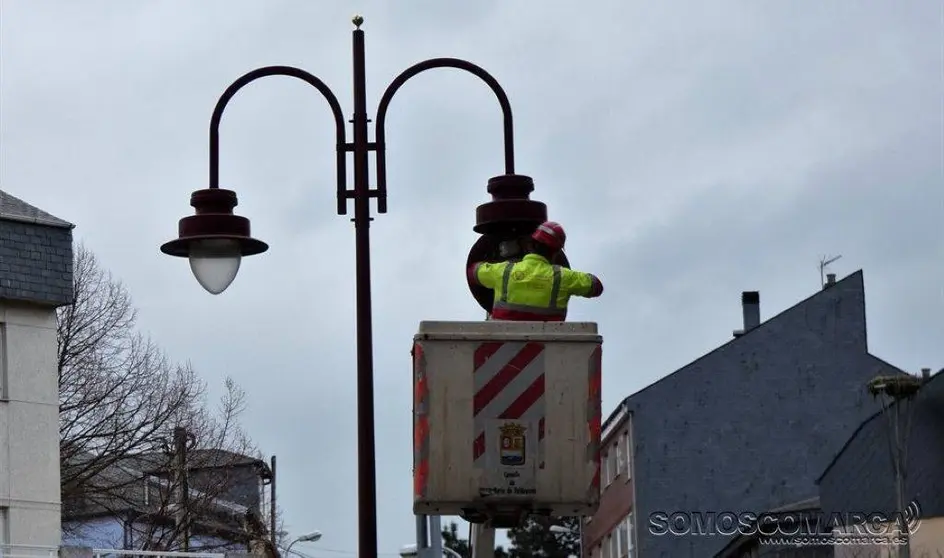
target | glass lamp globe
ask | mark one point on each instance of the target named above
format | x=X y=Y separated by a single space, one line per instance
x=215 y=262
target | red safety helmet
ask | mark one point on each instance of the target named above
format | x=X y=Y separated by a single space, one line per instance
x=550 y=234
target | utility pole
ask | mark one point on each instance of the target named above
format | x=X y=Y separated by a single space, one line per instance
x=272 y=526
x=897 y=394
x=182 y=512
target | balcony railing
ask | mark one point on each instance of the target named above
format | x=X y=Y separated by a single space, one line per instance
x=106 y=553
x=27 y=551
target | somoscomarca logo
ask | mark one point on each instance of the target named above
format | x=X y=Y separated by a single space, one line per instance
x=784 y=524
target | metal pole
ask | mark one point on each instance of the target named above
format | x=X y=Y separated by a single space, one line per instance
x=272 y=524
x=422 y=538
x=366 y=479
x=580 y=545
x=435 y=536
x=182 y=515
x=904 y=550
x=483 y=541
x=361 y=194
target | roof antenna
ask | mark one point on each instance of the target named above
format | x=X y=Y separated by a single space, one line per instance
x=823 y=264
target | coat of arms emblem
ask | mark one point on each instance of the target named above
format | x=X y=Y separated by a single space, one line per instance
x=512 y=450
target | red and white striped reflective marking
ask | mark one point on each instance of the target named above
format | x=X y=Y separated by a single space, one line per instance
x=509 y=384
x=420 y=423
x=595 y=414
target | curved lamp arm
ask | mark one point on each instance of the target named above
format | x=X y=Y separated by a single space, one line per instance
x=422 y=67
x=280 y=71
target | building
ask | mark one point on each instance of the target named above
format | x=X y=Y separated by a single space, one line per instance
x=801 y=520
x=861 y=477
x=230 y=476
x=135 y=503
x=609 y=532
x=746 y=428
x=35 y=279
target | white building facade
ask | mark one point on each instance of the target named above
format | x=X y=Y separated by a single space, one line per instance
x=35 y=279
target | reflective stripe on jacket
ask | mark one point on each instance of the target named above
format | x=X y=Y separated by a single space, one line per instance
x=533 y=289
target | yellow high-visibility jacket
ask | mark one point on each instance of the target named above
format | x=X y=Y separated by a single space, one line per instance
x=533 y=289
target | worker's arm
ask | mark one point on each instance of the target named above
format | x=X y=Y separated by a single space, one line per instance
x=582 y=284
x=488 y=275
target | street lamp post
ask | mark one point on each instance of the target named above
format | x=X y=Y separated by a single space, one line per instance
x=310 y=537
x=215 y=240
x=560 y=529
x=897 y=394
x=410 y=551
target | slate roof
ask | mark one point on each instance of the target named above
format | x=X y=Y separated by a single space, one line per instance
x=120 y=475
x=890 y=368
x=197 y=459
x=937 y=387
x=738 y=545
x=13 y=208
x=762 y=416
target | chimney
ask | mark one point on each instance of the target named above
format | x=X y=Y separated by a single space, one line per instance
x=750 y=302
x=830 y=280
x=925 y=374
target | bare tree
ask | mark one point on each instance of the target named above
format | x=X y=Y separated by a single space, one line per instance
x=121 y=398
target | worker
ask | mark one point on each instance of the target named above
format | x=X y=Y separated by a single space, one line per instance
x=533 y=289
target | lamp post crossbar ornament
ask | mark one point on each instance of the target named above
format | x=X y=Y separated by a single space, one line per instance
x=215 y=240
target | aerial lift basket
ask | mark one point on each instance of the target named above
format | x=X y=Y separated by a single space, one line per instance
x=506 y=419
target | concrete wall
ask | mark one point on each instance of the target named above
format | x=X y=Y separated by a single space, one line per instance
x=35 y=279
x=29 y=423
x=751 y=426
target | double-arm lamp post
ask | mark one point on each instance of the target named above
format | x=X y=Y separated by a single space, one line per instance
x=215 y=240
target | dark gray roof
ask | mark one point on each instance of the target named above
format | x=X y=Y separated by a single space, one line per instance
x=116 y=483
x=741 y=339
x=933 y=389
x=13 y=208
x=198 y=459
x=736 y=547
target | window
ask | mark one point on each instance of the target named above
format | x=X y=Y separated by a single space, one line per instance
x=630 y=536
x=610 y=466
x=4 y=528
x=614 y=544
x=627 y=443
x=596 y=552
x=620 y=456
x=605 y=465
x=623 y=538
x=608 y=547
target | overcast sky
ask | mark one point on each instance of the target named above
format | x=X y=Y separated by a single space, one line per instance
x=692 y=150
